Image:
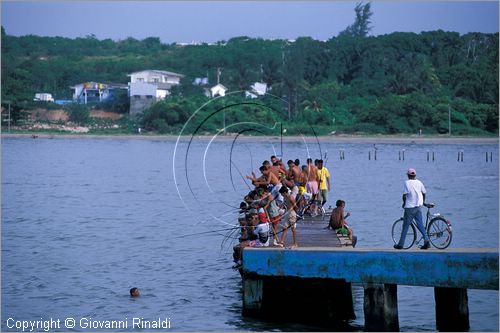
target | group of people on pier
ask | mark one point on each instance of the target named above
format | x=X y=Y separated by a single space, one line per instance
x=285 y=192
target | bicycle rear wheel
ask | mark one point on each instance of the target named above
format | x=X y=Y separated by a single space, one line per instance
x=411 y=236
x=321 y=212
x=439 y=232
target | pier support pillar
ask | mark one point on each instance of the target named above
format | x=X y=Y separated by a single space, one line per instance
x=252 y=295
x=322 y=302
x=452 y=309
x=381 y=307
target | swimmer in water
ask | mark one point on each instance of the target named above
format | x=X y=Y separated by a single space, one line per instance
x=134 y=292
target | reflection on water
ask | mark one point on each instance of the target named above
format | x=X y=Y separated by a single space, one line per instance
x=86 y=220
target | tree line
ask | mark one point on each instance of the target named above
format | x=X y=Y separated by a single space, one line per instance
x=388 y=84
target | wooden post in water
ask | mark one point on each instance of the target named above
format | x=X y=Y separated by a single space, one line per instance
x=381 y=307
x=252 y=295
x=452 y=309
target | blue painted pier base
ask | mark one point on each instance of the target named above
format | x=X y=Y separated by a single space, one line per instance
x=451 y=272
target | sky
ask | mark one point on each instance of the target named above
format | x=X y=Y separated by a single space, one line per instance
x=211 y=21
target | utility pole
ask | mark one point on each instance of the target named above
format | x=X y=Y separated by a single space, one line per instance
x=9 y=115
x=224 y=120
x=449 y=121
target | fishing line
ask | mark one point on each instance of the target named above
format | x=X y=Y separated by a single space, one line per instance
x=231 y=152
x=194 y=133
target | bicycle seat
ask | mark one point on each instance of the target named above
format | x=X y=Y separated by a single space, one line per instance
x=429 y=205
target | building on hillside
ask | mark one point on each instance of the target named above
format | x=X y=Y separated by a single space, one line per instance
x=259 y=88
x=218 y=90
x=149 y=86
x=249 y=94
x=200 y=81
x=94 y=92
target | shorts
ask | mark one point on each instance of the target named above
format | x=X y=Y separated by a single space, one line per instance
x=344 y=231
x=302 y=190
x=312 y=187
x=294 y=192
x=276 y=220
x=291 y=222
x=255 y=243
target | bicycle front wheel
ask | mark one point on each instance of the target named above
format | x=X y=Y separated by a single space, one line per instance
x=439 y=232
x=411 y=235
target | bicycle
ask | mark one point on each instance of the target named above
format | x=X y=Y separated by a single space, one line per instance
x=311 y=207
x=437 y=227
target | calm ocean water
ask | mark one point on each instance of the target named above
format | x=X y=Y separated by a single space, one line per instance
x=84 y=220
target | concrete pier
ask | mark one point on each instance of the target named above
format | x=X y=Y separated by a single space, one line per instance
x=451 y=272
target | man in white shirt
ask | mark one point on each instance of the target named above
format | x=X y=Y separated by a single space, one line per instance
x=413 y=198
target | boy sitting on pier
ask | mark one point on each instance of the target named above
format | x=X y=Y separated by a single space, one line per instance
x=257 y=235
x=338 y=222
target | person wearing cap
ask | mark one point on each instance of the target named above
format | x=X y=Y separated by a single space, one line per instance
x=413 y=199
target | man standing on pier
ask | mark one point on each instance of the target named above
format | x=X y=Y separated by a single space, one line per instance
x=324 y=183
x=413 y=198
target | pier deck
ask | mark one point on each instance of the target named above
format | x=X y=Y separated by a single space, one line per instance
x=313 y=232
x=315 y=279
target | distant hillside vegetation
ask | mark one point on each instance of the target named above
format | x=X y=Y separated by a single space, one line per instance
x=396 y=83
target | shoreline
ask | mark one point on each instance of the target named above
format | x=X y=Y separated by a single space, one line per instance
x=362 y=139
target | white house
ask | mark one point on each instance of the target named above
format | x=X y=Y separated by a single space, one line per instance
x=259 y=88
x=218 y=89
x=148 y=86
x=163 y=81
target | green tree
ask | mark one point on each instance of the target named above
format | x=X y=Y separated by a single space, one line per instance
x=361 y=26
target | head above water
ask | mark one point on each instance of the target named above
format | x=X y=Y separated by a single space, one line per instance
x=134 y=292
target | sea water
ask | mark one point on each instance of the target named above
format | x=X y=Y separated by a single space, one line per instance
x=85 y=220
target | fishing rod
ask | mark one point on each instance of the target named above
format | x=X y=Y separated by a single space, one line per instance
x=231 y=152
x=317 y=140
x=206 y=232
x=237 y=169
x=281 y=135
x=307 y=148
